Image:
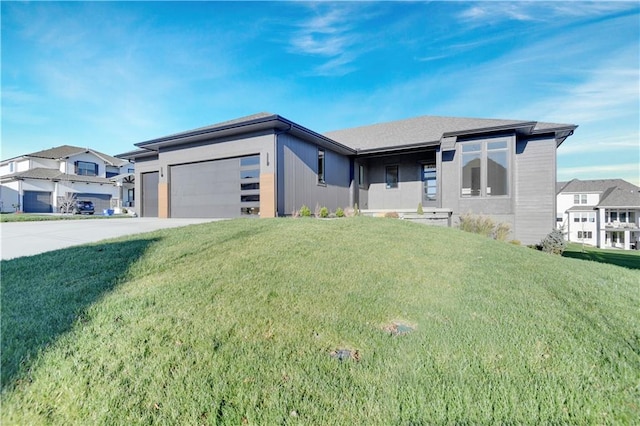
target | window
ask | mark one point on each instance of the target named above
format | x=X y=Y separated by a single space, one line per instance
x=321 y=167
x=112 y=171
x=391 y=176
x=131 y=194
x=576 y=199
x=558 y=218
x=485 y=168
x=622 y=216
x=614 y=216
x=361 y=175
x=583 y=198
x=429 y=182
x=250 y=185
x=84 y=168
x=592 y=217
x=585 y=234
x=11 y=166
x=576 y=217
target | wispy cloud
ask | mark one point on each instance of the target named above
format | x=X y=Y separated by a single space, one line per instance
x=333 y=35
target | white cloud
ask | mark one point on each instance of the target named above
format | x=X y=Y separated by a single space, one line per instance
x=627 y=171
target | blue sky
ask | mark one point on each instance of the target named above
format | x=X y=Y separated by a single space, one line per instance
x=107 y=75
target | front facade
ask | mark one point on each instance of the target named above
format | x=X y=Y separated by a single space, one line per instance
x=265 y=164
x=38 y=182
x=603 y=213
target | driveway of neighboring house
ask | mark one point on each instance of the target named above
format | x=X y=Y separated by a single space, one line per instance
x=30 y=238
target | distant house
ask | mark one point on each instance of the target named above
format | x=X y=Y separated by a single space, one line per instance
x=37 y=182
x=268 y=165
x=603 y=213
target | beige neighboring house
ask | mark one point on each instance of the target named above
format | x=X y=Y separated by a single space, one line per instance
x=38 y=182
x=604 y=213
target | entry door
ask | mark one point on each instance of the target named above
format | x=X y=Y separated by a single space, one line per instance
x=429 y=185
x=150 y=194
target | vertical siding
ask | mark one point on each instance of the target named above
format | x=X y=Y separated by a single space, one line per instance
x=535 y=180
x=298 y=180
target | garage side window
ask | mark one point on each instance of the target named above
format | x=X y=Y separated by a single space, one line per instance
x=250 y=185
x=321 y=176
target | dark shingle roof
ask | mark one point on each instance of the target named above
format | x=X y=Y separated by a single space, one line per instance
x=596 y=185
x=620 y=197
x=65 y=151
x=54 y=174
x=427 y=129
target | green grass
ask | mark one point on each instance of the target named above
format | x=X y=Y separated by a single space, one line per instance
x=234 y=322
x=625 y=258
x=34 y=217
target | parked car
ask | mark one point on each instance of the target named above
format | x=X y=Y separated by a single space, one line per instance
x=83 y=207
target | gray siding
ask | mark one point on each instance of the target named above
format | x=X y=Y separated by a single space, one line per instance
x=407 y=195
x=535 y=179
x=149 y=196
x=298 y=179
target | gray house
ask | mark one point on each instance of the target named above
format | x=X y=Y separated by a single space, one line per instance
x=268 y=165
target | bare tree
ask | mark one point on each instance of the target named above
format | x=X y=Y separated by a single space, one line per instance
x=67 y=203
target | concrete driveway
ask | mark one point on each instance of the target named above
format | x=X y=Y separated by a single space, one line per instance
x=30 y=238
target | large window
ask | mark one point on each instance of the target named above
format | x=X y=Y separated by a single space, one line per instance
x=84 y=168
x=485 y=168
x=391 y=176
x=321 y=177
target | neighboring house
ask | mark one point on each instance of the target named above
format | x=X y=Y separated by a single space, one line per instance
x=603 y=213
x=39 y=181
x=268 y=165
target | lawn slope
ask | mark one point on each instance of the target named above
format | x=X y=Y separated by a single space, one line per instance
x=236 y=322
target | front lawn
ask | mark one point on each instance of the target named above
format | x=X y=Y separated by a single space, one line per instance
x=303 y=321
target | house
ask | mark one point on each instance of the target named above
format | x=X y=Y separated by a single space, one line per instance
x=268 y=165
x=604 y=213
x=38 y=182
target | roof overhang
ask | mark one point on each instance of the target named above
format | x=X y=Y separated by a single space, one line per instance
x=272 y=123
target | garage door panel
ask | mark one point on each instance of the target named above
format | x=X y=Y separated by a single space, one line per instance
x=206 y=189
x=100 y=201
x=37 y=202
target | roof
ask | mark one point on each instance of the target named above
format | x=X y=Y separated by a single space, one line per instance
x=55 y=175
x=251 y=123
x=430 y=130
x=615 y=192
x=559 y=186
x=408 y=133
x=65 y=151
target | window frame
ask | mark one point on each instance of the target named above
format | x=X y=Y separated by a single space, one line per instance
x=77 y=169
x=392 y=185
x=483 y=152
x=322 y=167
x=361 y=175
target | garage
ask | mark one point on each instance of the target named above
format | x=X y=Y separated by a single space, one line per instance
x=206 y=189
x=149 y=194
x=101 y=202
x=37 y=202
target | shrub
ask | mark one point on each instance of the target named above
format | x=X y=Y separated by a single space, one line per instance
x=393 y=215
x=124 y=211
x=553 y=243
x=420 y=209
x=339 y=212
x=323 y=212
x=502 y=231
x=305 y=211
x=316 y=211
x=477 y=224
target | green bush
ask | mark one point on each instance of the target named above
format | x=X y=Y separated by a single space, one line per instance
x=324 y=212
x=484 y=225
x=553 y=243
x=420 y=209
x=339 y=212
x=305 y=211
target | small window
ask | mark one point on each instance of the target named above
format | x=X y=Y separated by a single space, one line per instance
x=583 y=199
x=131 y=194
x=391 y=176
x=249 y=186
x=623 y=216
x=632 y=217
x=559 y=219
x=592 y=217
x=11 y=166
x=361 y=175
x=253 y=160
x=321 y=176
x=576 y=218
x=614 y=216
x=576 y=199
